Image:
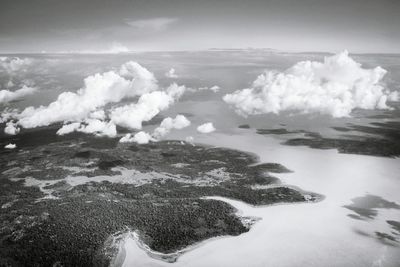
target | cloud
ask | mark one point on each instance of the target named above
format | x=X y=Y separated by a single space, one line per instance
x=10 y=146
x=14 y=64
x=98 y=90
x=90 y=126
x=179 y=122
x=171 y=73
x=7 y=95
x=90 y=109
x=98 y=114
x=98 y=127
x=190 y=140
x=154 y=24
x=214 y=88
x=8 y=114
x=335 y=86
x=69 y=128
x=206 y=128
x=11 y=128
x=140 y=138
x=149 y=105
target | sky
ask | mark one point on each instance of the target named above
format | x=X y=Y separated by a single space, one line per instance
x=361 y=26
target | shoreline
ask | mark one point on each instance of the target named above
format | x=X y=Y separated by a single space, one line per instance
x=120 y=258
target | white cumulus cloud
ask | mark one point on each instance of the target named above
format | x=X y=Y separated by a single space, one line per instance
x=179 y=122
x=69 y=128
x=10 y=146
x=140 y=138
x=215 y=88
x=7 y=95
x=98 y=90
x=98 y=114
x=11 y=128
x=98 y=127
x=190 y=140
x=171 y=74
x=206 y=128
x=335 y=86
x=14 y=64
x=90 y=126
x=149 y=105
x=94 y=108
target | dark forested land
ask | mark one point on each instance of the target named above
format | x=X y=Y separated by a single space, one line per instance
x=376 y=139
x=48 y=218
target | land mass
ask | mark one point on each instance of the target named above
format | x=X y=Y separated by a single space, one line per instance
x=376 y=139
x=61 y=201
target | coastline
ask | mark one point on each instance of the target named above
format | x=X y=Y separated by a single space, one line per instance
x=243 y=211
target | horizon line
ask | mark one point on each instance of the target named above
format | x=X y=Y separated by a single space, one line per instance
x=212 y=49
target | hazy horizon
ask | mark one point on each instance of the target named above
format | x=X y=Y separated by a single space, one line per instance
x=213 y=49
x=97 y=26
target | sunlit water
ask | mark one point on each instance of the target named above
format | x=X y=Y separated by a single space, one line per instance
x=318 y=234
